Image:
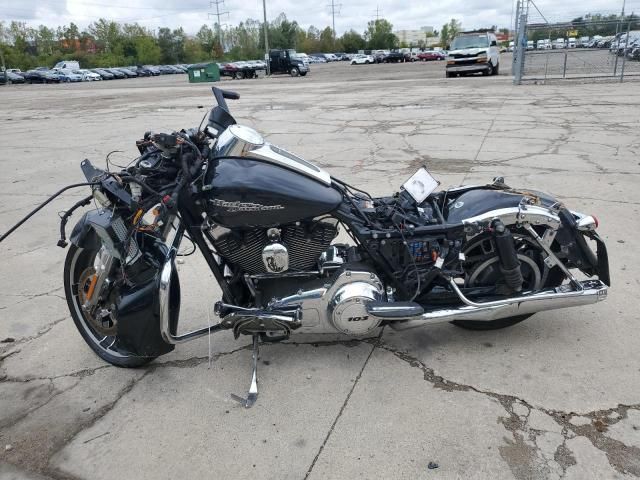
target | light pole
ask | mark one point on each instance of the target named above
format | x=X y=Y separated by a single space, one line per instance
x=266 y=37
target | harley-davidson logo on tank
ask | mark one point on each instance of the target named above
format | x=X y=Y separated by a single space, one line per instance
x=244 y=206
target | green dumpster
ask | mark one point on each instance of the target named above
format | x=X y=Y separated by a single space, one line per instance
x=204 y=72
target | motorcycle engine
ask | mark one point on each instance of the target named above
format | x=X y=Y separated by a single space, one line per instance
x=295 y=247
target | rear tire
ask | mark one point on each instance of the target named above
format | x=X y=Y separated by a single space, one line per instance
x=239 y=75
x=77 y=261
x=553 y=278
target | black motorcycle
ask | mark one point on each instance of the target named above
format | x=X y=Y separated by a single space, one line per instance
x=265 y=221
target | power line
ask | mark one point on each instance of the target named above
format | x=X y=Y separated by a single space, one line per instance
x=217 y=15
x=333 y=7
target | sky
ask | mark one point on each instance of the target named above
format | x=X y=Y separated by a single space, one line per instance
x=350 y=14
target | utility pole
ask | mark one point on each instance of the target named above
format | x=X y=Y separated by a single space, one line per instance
x=217 y=15
x=333 y=6
x=377 y=14
x=267 y=60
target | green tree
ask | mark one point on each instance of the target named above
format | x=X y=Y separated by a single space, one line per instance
x=379 y=35
x=352 y=41
x=449 y=31
x=147 y=50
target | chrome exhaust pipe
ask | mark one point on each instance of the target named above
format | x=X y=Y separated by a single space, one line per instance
x=591 y=291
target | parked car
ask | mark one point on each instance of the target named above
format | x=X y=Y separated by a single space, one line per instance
x=341 y=56
x=473 y=52
x=141 y=71
x=68 y=76
x=128 y=73
x=116 y=73
x=88 y=75
x=317 y=59
x=430 y=55
x=9 y=76
x=361 y=59
x=228 y=70
x=165 y=70
x=379 y=57
x=103 y=73
x=559 y=43
x=155 y=71
x=331 y=57
x=41 y=75
x=394 y=57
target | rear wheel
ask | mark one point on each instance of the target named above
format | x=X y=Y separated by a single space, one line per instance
x=99 y=329
x=484 y=270
x=239 y=75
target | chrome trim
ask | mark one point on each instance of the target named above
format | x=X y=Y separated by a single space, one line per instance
x=317 y=315
x=275 y=258
x=592 y=291
x=237 y=141
x=242 y=141
x=164 y=296
x=531 y=214
x=553 y=259
x=584 y=223
x=278 y=156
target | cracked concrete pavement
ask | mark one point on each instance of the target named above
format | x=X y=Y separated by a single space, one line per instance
x=553 y=397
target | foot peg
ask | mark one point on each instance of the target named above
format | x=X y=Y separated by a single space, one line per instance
x=253 y=389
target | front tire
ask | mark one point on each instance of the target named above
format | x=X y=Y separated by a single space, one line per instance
x=294 y=72
x=77 y=262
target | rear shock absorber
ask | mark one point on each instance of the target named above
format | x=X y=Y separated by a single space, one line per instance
x=509 y=263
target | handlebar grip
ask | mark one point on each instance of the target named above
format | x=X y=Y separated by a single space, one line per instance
x=229 y=95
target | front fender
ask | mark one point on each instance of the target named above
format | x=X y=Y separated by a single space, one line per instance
x=83 y=234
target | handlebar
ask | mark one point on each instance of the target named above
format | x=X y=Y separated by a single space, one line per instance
x=220 y=95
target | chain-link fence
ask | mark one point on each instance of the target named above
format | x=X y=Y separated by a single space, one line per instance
x=592 y=46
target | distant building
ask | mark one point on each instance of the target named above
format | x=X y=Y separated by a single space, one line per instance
x=413 y=37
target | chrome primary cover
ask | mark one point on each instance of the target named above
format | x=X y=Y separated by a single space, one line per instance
x=339 y=305
x=241 y=141
x=349 y=308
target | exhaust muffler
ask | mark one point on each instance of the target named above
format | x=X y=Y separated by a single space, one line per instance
x=590 y=291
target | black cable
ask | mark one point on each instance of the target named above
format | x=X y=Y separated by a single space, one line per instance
x=42 y=205
x=65 y=218
x=351 y=187
x=413 y=260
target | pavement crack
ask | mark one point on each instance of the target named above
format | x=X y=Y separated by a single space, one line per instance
x=344 y=405
x=527 y=461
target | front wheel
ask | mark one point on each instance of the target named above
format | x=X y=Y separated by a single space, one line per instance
x=294 y=72
x=98 y=328
x=239 y=75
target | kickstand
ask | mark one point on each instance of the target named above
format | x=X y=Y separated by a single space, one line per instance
x=253 y=389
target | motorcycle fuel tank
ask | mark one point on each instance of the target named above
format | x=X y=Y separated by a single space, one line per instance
x=247 y=192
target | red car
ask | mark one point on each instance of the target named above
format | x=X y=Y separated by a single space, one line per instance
x=427 y=56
